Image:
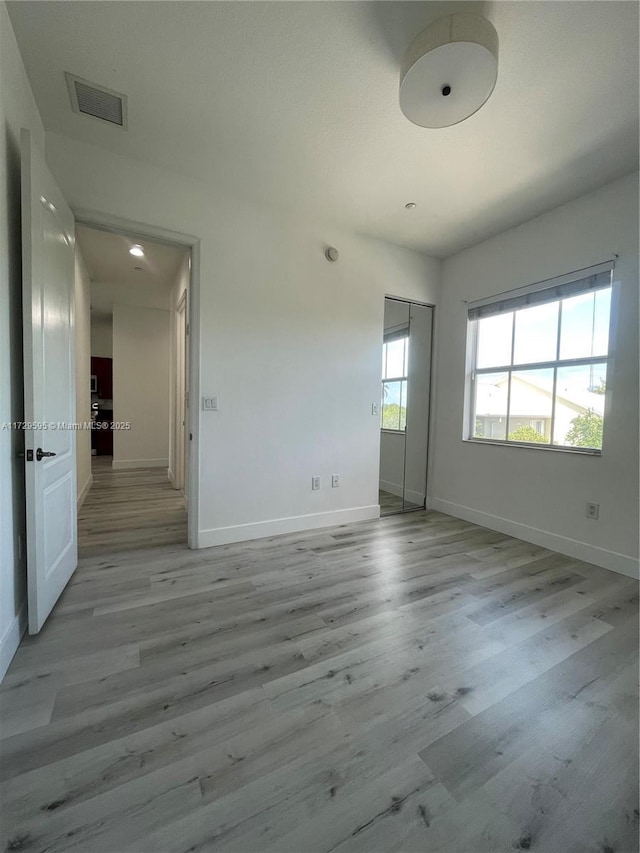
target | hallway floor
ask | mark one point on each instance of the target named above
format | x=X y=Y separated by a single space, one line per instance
x=414 y=683
x=129 y=509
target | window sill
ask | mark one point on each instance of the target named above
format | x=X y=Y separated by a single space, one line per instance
x=582 y=451
x=393 y=431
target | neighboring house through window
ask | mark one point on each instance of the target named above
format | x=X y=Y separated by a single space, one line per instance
x=538 y=360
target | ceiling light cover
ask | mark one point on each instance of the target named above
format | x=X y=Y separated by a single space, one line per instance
x=137 y=251
x=449 y=71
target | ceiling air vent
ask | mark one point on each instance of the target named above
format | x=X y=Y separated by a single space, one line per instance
x=97 y=101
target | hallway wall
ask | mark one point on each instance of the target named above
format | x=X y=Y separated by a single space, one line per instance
x=141 y=386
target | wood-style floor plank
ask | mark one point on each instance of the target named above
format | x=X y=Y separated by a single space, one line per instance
x=415 y=683
x=127 y=509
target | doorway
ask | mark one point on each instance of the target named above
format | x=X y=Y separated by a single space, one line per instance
x=137 y=372
x=405 y=405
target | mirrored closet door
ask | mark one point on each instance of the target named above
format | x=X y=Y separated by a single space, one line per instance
x=404 y=422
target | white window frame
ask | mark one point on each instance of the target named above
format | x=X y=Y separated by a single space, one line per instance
x=405 y=379
x=548 y=291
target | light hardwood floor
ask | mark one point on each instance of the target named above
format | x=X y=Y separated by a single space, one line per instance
x=389 y=502
x=129 y=509
x=410 y=684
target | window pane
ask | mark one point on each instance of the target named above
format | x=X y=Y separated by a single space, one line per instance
x=395 y=359
x=494 y=340
x=585 y=325
x=392 y=396
x=536 y=336
x=490 y=405
x=580 y=406
x=530 y=405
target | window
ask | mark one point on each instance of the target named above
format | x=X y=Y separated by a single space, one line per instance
x=539 y=363
x=395 y=361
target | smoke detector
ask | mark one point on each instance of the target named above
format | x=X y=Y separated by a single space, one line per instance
x=97 y=101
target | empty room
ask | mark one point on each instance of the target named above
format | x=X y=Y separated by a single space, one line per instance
x=319 y=426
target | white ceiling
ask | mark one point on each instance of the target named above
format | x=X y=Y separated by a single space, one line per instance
x=108 y=259
x=296 y=103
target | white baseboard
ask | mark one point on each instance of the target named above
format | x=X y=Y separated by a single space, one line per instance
x=414 y=497
x=11 y=638
x=277 y=526
x=398 y=491
x=84 y=491
x=393 y=488
x=616 y=562
x=127 y=464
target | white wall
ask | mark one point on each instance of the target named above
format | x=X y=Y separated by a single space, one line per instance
x=82 y=309
x=289 y=342
x=102 y=336
x=178 y=291
x=141 y=386
x=17 y=109
x=540 y=495
x=105 y=294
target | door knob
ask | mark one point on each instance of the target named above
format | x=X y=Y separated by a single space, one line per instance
x=40 y=453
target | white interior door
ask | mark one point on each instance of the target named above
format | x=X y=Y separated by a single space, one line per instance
x=48 y=235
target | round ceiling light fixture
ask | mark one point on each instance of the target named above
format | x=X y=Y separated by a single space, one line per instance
x=449 y=70
x=410 y=205
x=137 y=251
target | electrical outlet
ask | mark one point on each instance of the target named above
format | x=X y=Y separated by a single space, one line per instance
x=592 y=510
x=315 y=483
x=375 y=408
x=209 y=404
x=335 y=481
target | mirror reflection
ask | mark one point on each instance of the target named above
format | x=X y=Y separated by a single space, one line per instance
x=404 y=421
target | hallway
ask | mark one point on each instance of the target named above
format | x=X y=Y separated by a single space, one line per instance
x=129 y=509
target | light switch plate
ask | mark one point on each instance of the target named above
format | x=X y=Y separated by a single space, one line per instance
x=209 y=404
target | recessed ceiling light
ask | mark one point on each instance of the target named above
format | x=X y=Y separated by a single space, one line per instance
x=136 y=250
x=137 y=268
x=410 y=205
